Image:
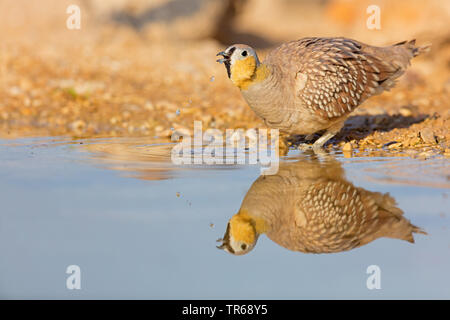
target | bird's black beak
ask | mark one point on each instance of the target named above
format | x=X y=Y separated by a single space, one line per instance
x=226 y=60
x=226 y=241
x=225 y=56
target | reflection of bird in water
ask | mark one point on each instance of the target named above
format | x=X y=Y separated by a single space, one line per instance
x=134 y=156
x=309 y=206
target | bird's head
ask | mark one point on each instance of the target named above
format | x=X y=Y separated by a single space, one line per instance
x=241 y=235
x=242 y=65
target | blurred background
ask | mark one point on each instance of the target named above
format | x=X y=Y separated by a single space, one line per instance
x=146 y=68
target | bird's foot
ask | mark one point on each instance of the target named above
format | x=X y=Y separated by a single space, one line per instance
x=315 y=147
x=305 y=146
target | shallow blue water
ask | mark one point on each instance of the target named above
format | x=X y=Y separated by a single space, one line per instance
x=138 y=227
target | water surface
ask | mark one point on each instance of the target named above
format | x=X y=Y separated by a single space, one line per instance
x=140 y=227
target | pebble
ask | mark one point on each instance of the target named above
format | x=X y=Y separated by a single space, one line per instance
x=395 y=145
x=427 y=135
x=78 y=125
x=347 y=147
x=447 y=153
x=405 y=112
x=424 y=155
x=390 y=143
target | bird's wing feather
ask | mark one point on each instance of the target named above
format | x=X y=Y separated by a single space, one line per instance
x=335 y=215
x=331 y=76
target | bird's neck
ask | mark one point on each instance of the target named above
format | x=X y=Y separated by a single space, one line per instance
x=247 y=72
x=245 y=226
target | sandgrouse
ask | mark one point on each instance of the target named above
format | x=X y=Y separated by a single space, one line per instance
x=313 y=84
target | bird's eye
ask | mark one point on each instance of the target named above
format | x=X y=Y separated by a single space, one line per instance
x=244 y=53
x=243 y=246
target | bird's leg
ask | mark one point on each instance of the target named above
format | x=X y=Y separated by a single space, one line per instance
x=318 y=144
x=330 y=133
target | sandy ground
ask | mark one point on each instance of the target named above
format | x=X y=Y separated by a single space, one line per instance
x=116 y=78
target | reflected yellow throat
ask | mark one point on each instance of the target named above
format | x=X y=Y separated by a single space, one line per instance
x=245 y=73
x=245 y=228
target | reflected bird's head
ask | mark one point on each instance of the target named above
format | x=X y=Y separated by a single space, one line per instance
x=241 y=235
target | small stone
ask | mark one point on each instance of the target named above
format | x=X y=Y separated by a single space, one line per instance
x=447 y=153
x=405 y=112
x=78 y=127
x=347 y=147
x=424 y=155
x=427 y=136
x=395 y=145
x=178 y=194
x=212 y=78
x=390 y=143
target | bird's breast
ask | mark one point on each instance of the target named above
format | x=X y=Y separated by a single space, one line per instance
x=280 y=109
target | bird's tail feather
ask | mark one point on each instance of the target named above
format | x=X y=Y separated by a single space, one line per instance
x=411 y=47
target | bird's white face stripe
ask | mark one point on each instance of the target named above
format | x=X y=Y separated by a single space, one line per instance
x=242 y=53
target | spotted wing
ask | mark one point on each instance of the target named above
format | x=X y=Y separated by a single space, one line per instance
x=334 y=216
x=332 y=76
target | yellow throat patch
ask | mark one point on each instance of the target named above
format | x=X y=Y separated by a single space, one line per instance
x=245 y=72
x=245 y=228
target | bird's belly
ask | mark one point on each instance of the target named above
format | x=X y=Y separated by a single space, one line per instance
x=288 y=118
